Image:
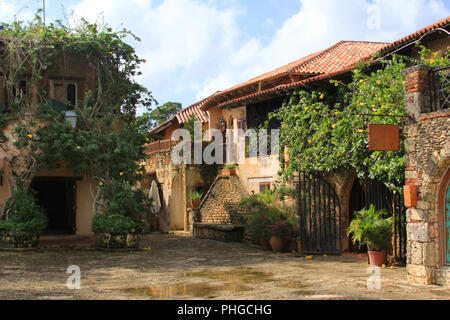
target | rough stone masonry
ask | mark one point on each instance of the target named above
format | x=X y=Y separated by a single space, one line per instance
x=427 y=144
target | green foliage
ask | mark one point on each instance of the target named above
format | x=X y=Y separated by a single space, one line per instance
x=190 y=127
x=370 y=227
x=116 y=224
x=22 y=214
x=323 y=130
x=122 y=210
x=106 y=144
x=263 y=210
x=230 y=166
x=258 y=227
x=193 y=196
x=123 y=199
x=164 y=112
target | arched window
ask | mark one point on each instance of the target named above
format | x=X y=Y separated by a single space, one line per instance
x=72 y=94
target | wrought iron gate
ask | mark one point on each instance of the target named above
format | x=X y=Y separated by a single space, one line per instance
x=319 y=214
x=381 y=197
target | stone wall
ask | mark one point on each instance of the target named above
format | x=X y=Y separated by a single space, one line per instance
x=220 y=204
x=427 y=144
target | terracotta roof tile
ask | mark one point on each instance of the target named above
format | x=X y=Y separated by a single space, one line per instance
x=184 y=115
x=414 y=36
x=337 y=57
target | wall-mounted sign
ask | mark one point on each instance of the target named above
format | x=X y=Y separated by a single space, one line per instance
x=384 y=137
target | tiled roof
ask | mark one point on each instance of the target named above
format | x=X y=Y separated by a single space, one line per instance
x=338 y=57
x=195 y=109
x=184 y=115
x=443 y=23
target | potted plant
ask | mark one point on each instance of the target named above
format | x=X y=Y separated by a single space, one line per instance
x=229 y=169
x=259 y=230
x=195 y=199
x=371 y=228
x=22 y=222
x=119 y=225
x=279 y=232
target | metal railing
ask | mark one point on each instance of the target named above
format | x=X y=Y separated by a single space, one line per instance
x=439 y=86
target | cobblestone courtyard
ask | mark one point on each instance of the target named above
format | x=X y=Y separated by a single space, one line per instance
x=187 y=268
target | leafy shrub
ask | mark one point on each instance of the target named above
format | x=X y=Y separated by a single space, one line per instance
x=116 y=224
x=258 y=227
x=369 y=227
x=123 y=210
x=230 y=166
x=22 y=214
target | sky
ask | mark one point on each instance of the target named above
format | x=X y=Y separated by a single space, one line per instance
x=194 y=48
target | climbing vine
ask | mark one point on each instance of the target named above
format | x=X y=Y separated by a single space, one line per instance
x=323 y=129
x=106 y=143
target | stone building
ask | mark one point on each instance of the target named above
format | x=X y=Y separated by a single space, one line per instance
x=65 y=197
x=427 y=189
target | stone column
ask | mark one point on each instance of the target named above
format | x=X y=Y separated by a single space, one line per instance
x=420 y=242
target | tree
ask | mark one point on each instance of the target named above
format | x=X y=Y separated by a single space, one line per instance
x=106 y=144
x=164 y=112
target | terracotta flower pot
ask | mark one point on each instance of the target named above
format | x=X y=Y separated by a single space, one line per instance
x=264 y=244
x=228 y=172
x=195 y=203
x=277 y=243
x=377 y=258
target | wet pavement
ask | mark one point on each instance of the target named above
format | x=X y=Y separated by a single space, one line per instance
x=174 y=267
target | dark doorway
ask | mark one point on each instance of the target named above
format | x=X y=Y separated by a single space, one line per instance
x=356 y=203
x=57 y=197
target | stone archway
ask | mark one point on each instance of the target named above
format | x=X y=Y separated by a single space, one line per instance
x=443 y=207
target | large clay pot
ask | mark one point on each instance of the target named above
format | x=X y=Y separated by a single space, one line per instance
x=277 y=243
x=125 y=241
x=377 y=258
x=264 y=244
x=18 y=240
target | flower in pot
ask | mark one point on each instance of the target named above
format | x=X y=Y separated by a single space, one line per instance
x=22 y=221
x=119 y=225
x=258 y=227
x=373 y=229
x=229 y=169
x=279 y=232
x=195 y=199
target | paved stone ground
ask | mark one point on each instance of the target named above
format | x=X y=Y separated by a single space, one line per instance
x=181 y=267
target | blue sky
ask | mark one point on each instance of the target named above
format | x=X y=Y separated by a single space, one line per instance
x=196 y=47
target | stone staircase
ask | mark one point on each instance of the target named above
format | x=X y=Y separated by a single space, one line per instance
x=219 y=217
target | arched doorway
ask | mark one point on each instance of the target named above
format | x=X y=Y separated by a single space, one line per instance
x=444 y=208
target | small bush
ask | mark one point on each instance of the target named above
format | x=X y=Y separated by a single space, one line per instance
x=22 y=214
x=230 y=166
x=116 y=224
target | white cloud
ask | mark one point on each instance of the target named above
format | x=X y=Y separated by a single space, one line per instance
x=10 y=11
x=318 y=25
x=195 y=47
